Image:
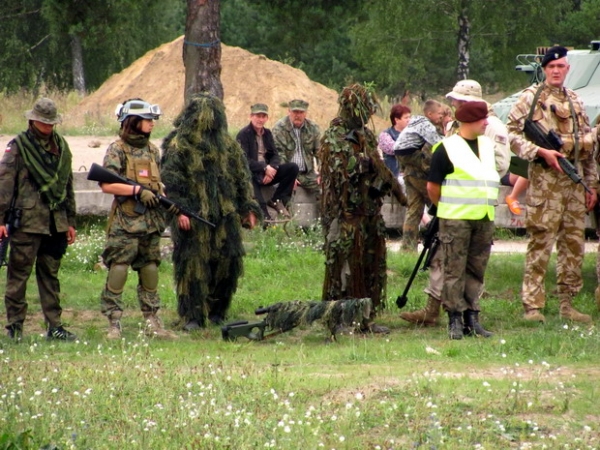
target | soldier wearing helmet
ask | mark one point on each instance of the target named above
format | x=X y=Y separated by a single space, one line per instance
x=136 y=222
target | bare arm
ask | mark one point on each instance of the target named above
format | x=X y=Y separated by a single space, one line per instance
x=434 y=191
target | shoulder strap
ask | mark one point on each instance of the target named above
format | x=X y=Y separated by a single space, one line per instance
x=575 y=129
x=535 y=100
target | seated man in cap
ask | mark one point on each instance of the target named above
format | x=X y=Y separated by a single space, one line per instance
x=298 y=140
x=263 y=159
x=463 y=184
x=556 y=206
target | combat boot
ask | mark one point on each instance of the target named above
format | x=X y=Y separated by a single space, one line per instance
x=597 y=295
x=534 y=315
x=569 y=313
x=114 y=325
x=154 y=328
x=427 y=316
x=455 y=325
x=472 y=325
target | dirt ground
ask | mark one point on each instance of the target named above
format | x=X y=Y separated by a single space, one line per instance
x=158 y=77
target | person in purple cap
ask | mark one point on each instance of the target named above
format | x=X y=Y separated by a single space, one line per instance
x=555 y=205
x=463 y=184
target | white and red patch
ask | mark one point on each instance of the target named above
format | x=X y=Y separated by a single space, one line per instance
x=143 y=173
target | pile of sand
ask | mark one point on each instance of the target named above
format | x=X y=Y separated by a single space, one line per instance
x=158 y=77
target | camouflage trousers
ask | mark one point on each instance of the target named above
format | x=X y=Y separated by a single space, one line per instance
x=308 y=180
x=555 y=214
x=417 y=198
x=466 y=247
x=136 y=251
x=25 y=250
x=436 y=275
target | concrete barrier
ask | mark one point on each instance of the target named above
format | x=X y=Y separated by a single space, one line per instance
x=92 y=202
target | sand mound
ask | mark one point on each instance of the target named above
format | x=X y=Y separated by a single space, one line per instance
x=158 y=77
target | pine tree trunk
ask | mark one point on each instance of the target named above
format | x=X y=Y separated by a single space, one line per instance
x=202 y=49
x=77 y=64
x=463 y=44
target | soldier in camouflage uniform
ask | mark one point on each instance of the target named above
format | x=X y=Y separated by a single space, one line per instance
x=297 y=141
x=556 y=206
x=413 y=150
x=355 y=179
x=205 y=170
x=36 y=171
x=136 y=221
x=463 y=184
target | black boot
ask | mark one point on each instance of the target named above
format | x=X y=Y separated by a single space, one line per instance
x=455 y=325
x=472 y=325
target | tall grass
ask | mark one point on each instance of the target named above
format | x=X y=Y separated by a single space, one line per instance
x=529 y=386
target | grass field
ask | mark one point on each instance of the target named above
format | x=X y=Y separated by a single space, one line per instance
x=528 y=386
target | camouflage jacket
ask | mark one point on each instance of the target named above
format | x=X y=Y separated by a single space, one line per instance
x=35 y=216
x=122 y=214
x=285 y=142
x=553 y=112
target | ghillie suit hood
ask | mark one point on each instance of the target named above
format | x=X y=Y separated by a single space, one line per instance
x=354 y=180
x=204 y=169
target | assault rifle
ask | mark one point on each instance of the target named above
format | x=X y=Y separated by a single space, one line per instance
x=102 y=175
x=12 y=222
x=431 y=243
x=552 y=141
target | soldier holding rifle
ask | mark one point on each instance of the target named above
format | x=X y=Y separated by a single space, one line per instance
x=556 y=206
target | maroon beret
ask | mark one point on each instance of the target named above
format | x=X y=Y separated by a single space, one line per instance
x=471 y=112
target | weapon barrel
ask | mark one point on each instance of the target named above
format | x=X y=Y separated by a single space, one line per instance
x=262 y=310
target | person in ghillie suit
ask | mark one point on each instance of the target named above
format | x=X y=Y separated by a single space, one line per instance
x=205 y=169
x=354 y=182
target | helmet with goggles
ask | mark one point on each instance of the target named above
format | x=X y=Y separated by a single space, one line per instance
x=138 y=108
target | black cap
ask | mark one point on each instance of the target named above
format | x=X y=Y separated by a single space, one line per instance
x=553 y=54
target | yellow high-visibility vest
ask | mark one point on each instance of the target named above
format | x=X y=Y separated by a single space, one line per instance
x=471 y=191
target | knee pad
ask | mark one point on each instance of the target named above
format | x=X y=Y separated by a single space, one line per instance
x=149 y=277
x=117 y=276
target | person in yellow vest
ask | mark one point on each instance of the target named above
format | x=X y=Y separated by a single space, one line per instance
x=463 y=184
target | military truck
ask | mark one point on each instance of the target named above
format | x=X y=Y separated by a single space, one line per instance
x=583 y=78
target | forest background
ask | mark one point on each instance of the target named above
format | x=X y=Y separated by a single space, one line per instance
x=419 y=45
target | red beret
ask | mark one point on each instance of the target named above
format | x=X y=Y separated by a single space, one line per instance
x=471 y=112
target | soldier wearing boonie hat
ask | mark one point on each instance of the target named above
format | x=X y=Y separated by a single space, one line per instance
x=36 y=171
x=298 y=141
x=264 y=163
x=556 y=207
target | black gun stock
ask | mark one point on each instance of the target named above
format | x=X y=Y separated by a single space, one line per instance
x=102 y=175
x=552 y=141
x=430 y=245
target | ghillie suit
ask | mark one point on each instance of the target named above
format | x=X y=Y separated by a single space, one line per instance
x=205 y=169
x=354 y=180
x=337 y=316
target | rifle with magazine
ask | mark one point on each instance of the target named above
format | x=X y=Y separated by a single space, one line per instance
x=102 y=175
x=552 y=141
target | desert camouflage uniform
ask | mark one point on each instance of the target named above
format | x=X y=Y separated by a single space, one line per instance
x=285 y=141
x=41 y=238
x=555 y=205
x=415 y=167
x=133 y=239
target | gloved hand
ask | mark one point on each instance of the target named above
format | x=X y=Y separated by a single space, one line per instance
x=173 y=209
x=148 y=198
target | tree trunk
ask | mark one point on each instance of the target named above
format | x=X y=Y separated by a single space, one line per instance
x=77 y=64
x=463 y=44
x=202 y=49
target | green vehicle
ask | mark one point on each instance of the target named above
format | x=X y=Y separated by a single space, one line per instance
x=583 y=78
